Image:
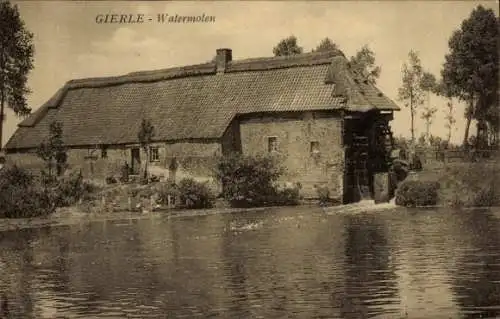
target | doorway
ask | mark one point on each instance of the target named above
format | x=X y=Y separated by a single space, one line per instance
x=135 y=160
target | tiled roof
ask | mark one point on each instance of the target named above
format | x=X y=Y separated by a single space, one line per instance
x=194 y=102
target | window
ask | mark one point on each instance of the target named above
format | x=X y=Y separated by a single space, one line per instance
x=154 y=154
x=314 y=148
x=272 y=144
x=104 y=152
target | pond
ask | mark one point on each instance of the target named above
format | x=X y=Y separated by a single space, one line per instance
x=275 y=263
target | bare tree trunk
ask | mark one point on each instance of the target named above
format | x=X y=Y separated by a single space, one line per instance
x=428 y=124
x=2 y=96
x=412 y=127
x=466 y=135
x=470 y=112
x=2 y=109
x=412 y=116
x=146 y=164
x=427 y=131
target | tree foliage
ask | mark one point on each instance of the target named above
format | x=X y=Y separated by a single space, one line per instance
x=326 y=45
x=428 y=84
x=428 y=116
x=364 y=63
x=53 y=151
x=470 y=71
x=16 y=61
x=287 y=46
x=411 y=92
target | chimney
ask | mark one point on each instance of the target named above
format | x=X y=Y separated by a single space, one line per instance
x=222 y=58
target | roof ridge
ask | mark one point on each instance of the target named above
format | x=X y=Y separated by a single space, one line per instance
x=249 y=64
x=317 y=54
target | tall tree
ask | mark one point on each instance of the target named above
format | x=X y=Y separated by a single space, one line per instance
x=411 y=92
x=364 y=63
x=470 y=71
x=428 y=116
x=287 y=46
x=145 y=136
x=326 y=45
x=428 y=85
x=16 y=61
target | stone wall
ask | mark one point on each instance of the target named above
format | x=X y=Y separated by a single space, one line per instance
x=27 y=160
x=231 y=140
x=195 y=159
x=94 y=165
x=89 y=161
x=294 y=135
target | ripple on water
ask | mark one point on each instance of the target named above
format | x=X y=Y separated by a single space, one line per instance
x=270 y=264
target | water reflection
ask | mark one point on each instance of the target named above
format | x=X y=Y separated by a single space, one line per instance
x=370 y=288
x=477 y=277
x=235 y=269
x=281 y=263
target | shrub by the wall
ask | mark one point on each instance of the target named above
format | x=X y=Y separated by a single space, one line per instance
x=413 y=193
x=323 y=195
x=71 y=189
x=168 y=189
x=21 y=196
x=111 y=180
x=249 y=181
x=193 y=194
x=288 y=196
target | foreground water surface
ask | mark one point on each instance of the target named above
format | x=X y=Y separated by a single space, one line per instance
x=277 y=263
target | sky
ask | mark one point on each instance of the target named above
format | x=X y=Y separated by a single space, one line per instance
x=70 y=44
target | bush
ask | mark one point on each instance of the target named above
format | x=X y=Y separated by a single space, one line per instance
x=193 y=194
x=154 y=179
x=168 y=189
x=21 y=196
x=124 y=173
x=288 y=196
x=323 y=195
x=111 y=180
x=69 y=190
x=485 y=197
x=417 y=193
x=249 y=181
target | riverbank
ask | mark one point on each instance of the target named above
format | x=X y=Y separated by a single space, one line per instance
x=462 y=184
x=72 y=216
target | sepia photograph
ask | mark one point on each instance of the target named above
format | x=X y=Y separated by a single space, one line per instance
x=249 y=159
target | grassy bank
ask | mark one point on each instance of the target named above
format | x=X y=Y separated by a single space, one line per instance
x=460 y=184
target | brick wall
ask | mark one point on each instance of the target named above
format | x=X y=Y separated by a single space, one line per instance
x=294 y=134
